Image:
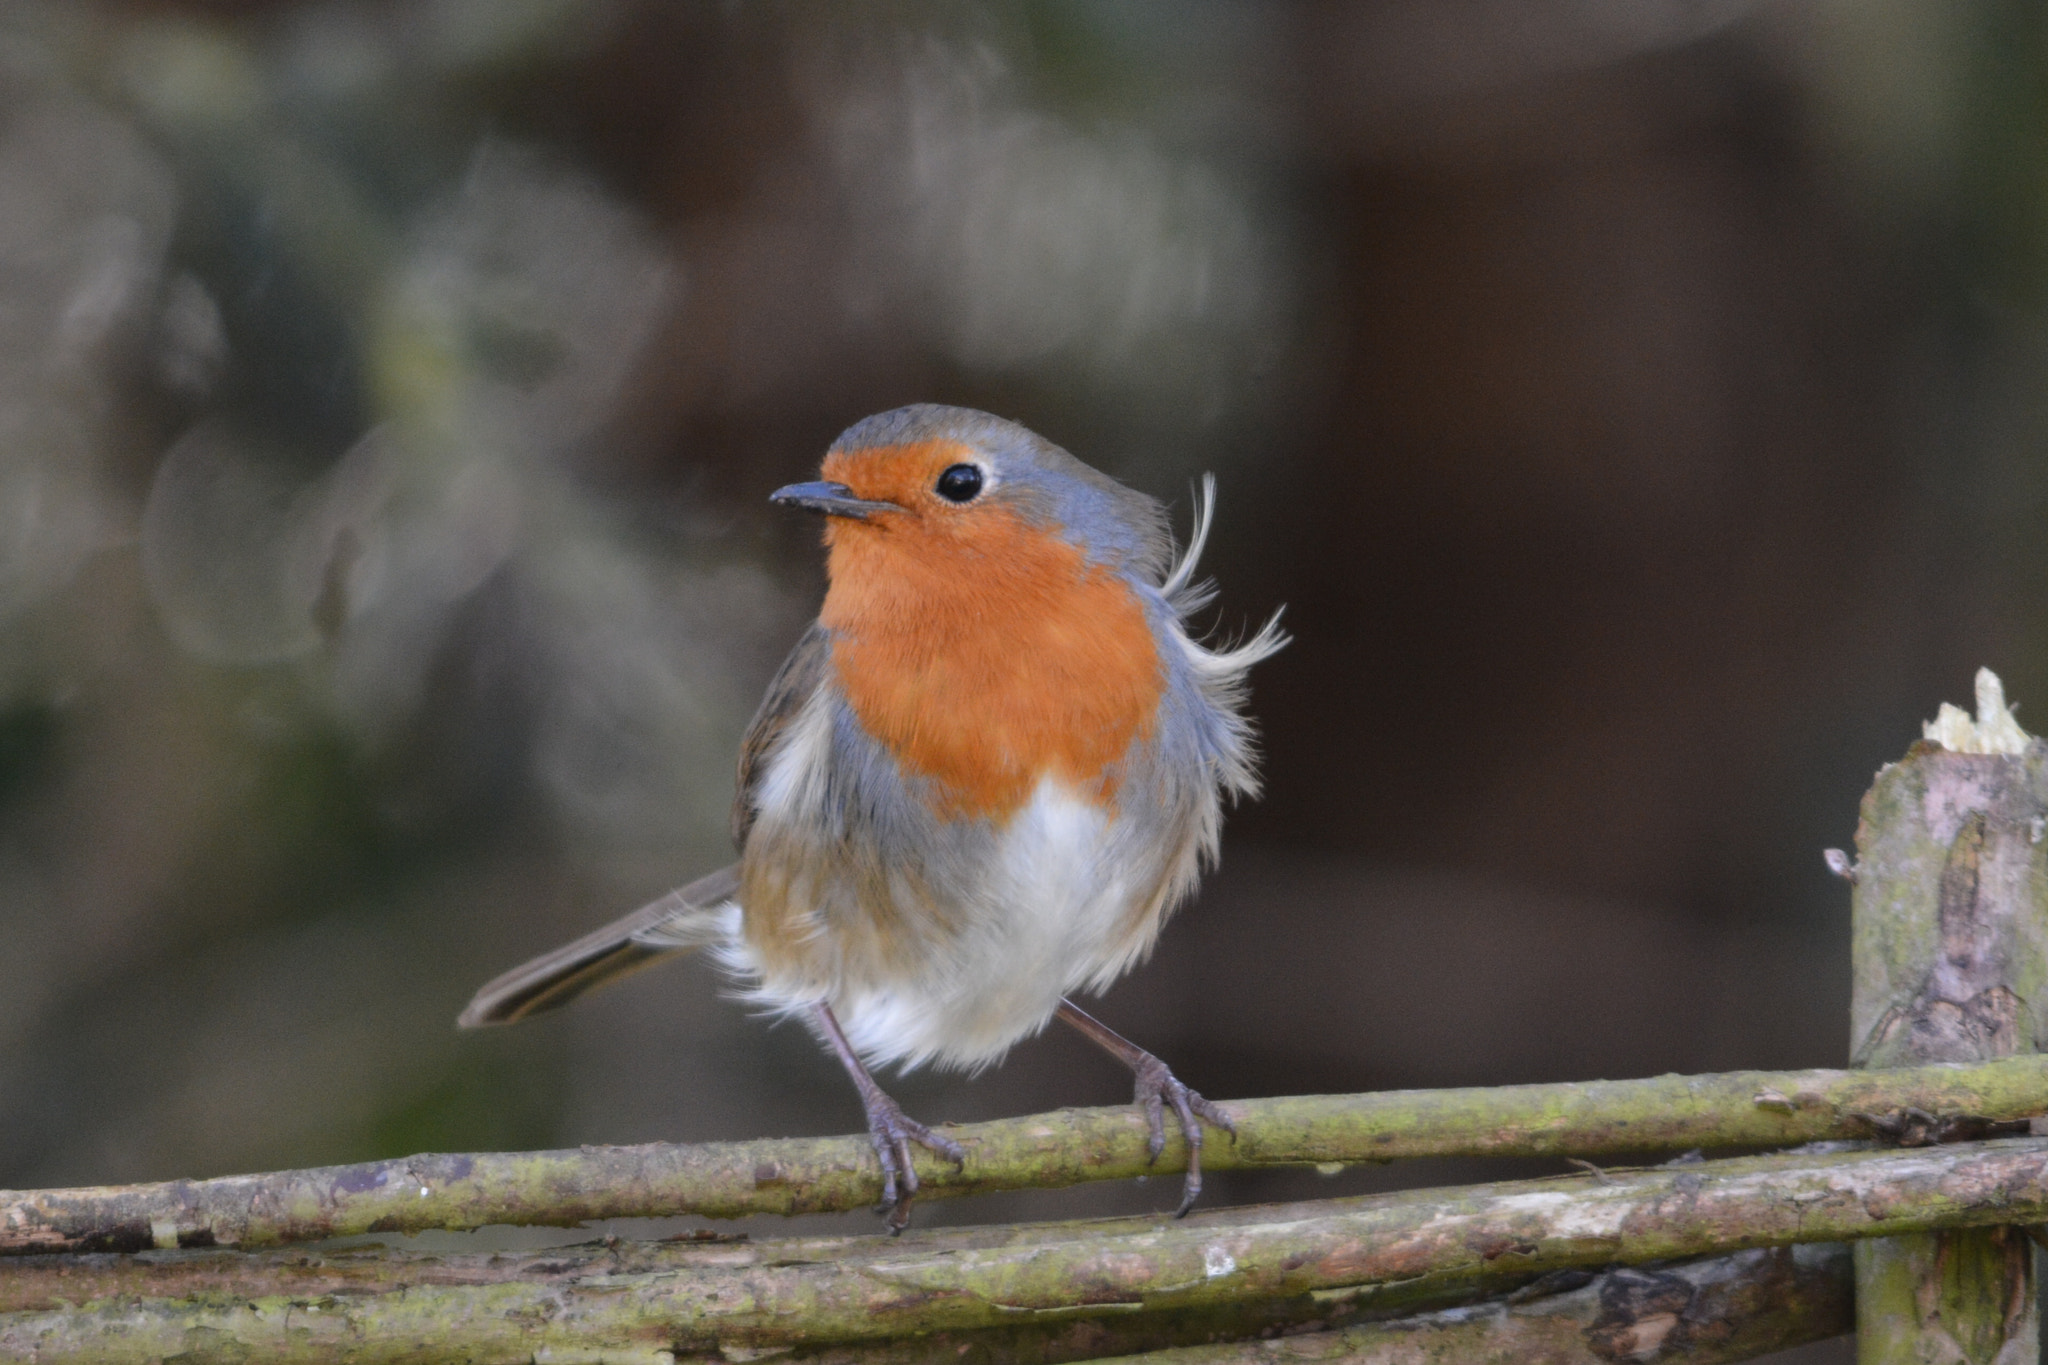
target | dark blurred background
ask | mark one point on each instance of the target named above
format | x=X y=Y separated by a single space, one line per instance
x=1638 y=405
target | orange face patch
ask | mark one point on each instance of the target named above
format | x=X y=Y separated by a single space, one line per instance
x=986 y=653
x=902 y=474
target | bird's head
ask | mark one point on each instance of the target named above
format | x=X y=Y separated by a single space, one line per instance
x=952 y=482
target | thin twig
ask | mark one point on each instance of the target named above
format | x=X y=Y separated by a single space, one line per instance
x=1068 y=1147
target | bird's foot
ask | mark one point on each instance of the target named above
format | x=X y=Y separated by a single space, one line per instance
x=1157 y=1088
x=891 y=1131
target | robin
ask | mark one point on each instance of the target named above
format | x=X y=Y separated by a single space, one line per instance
x=978 y=785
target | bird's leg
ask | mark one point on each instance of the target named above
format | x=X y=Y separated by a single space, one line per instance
x=889 y=1128
x=1157 y=1087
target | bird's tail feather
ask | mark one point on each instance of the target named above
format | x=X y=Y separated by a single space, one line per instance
x=692 y=917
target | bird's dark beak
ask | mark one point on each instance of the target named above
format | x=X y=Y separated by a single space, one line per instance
x=833 y=499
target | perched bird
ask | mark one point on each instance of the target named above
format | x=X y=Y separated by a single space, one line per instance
x=979 y=783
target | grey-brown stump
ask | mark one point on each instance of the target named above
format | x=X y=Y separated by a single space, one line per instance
x=1950 y=959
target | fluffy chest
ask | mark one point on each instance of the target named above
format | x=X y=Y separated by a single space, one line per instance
x=986 y=666
x=959 y=964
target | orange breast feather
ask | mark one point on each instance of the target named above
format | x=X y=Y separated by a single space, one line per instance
x=987 y=654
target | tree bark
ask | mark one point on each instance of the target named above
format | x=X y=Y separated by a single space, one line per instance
x=1950 y=960
x=1596 y=1119
x=1696 y=1313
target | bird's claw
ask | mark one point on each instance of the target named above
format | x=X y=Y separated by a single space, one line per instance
x=890 y=1132
x=1158 y=1087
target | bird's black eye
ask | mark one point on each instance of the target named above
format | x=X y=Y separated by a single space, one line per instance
x=960 y=483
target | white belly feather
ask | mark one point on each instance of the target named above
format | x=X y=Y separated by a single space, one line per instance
x=1053 y=913
x=1060 y=896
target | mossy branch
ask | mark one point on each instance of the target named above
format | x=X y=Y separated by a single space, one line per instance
x=1391 y=1252
x=1723 y=1308
x=1596 y=1119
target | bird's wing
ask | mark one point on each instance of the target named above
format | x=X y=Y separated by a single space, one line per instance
x=794 y=683
x=688 y=918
